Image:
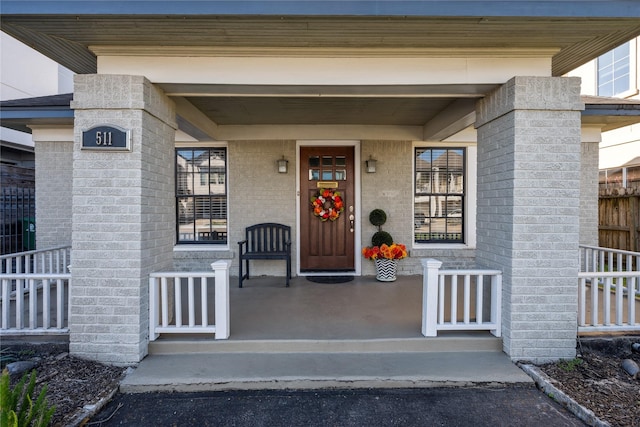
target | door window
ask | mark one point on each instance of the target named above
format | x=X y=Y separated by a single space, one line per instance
x=327 y=168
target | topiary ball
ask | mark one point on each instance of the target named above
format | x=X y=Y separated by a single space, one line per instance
x=381 y=237
x=377 y=217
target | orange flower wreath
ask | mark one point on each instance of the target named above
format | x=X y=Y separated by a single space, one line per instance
x=327 y=204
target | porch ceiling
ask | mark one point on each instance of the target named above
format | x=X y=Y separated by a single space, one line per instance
x=319 y=111
x=70 y=32
x=408 y=105
x=73 y=33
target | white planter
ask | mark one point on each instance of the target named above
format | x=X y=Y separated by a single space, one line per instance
x=386 y=269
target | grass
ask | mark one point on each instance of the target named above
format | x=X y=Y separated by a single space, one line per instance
x=569 y=365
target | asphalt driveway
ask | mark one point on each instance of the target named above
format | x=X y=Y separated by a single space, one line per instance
x=511 y=405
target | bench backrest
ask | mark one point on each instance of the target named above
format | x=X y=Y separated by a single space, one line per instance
x=268 y=237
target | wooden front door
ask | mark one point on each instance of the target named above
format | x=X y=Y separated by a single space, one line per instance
x=327 y=245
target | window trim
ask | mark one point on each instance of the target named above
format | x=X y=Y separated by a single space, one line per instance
x=469 y=199
x=204 y=245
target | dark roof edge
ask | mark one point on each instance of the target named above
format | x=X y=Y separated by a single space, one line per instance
x=59 y=100
x=410 y=8
x=606 y=106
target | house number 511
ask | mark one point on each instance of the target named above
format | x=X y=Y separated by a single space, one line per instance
x=103 y=138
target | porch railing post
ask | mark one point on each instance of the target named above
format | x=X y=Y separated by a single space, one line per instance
x=496 y=304
x=430 y=269
x=221 y=270
x=154 y=301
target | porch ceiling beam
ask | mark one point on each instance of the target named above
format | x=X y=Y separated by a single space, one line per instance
x=194 y=122
x=459 y=115
x=318 y=132
x=335 y=91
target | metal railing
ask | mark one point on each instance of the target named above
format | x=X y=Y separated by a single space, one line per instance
x=460 y=300
x=166 y=293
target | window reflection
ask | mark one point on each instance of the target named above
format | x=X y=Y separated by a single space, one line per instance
x=201 y=195
x=439 y=195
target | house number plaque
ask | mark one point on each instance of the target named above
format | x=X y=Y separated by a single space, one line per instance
x=106 y=138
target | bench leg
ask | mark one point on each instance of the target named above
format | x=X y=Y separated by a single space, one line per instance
x=241 y=275
x=288 y=270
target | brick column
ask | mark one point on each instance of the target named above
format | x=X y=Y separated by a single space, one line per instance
x=591 y=137
x=123 y=216
x=54 y=172
x=528 y=218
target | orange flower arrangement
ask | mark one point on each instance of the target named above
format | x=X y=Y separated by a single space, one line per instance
x=327 y=204
x=384 y=251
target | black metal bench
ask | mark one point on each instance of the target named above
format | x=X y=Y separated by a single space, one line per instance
x=265 y=241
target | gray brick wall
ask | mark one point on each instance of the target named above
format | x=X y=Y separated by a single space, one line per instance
x=123 y=216
x=589 y=194
x=529 y=210
x=258 y=193
x=54 y=171
x=391 y=190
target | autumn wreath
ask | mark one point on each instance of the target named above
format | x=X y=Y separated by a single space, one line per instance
x=327 y=204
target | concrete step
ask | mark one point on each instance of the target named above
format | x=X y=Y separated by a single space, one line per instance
x=251 y=371
x=451 y=343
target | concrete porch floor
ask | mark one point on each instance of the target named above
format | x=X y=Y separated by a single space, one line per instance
x=362 y=333
x=361 y=309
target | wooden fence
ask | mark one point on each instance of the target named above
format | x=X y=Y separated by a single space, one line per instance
x=619 y=221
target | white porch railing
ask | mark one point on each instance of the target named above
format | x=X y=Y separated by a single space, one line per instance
x=594 y=258
x=479 y=307
x=41 y=298
x=52 y=260
x=35 y=287
x=608 y=290
x=166 y=291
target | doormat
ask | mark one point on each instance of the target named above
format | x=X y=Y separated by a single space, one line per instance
x=330 y=279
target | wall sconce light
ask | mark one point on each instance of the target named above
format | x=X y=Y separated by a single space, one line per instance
x=283 y=165
x=371 y=165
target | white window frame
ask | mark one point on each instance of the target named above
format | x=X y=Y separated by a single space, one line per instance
x=213 y=247
x=469 y=200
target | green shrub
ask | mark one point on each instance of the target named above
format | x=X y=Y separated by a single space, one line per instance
x=17 y=408
x=378 y=217
x=380 y=237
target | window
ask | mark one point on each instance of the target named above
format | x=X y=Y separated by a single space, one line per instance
x=201 y=195
x=439 y=195
x=614 y=70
